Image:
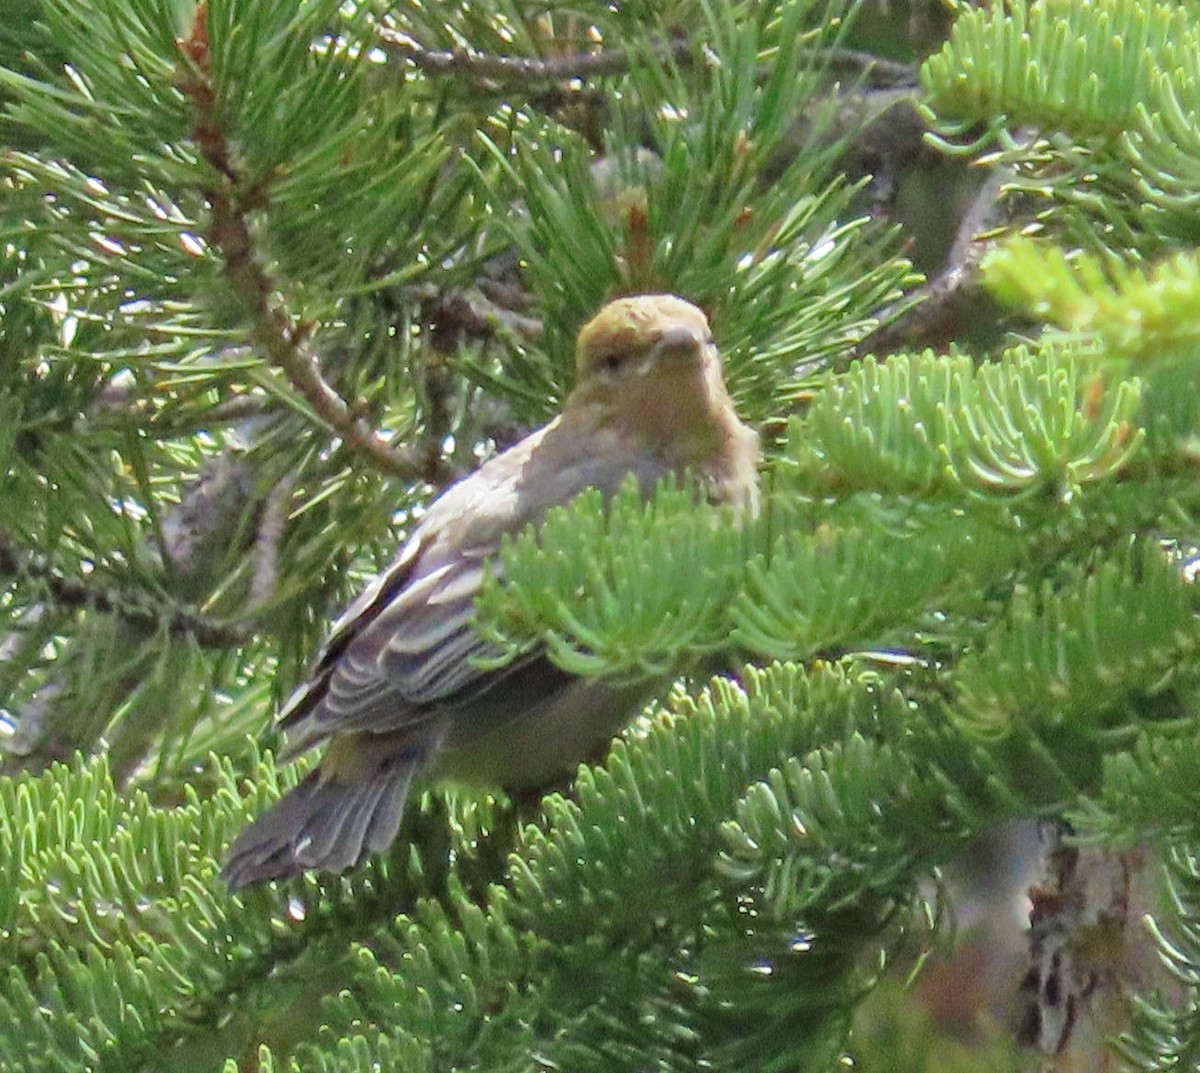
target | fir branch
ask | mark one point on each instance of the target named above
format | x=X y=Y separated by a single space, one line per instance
x=284 y=341
x=1164 y=1030
x=1022 y=63
x=77 y=593
x=1143 y=313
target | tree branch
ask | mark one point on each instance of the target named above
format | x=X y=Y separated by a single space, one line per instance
x=1086 y=954
x=875 y=70
x=70 y=592
x=935 y=310
x=521 y=70
x=282 y=340
x=123 y=403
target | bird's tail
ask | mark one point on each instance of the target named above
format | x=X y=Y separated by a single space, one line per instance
x=324 y=823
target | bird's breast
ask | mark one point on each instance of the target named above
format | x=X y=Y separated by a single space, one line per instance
x=545 y=741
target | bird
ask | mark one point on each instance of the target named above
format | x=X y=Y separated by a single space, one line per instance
x=402 y=688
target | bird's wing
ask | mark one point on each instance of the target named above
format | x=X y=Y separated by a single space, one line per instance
x=361 y=612
x=404 y=654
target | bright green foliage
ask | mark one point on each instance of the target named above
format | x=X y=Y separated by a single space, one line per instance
x=1091 y=100
x=1078 y=64
x=1165 y=1038
x=643 y=841
x=1020 y=425
x=1151 y=789
x=791 y=824
x=1092 y=106
x=658 y=589
x=1125 y=309
x=117 y=919
x=1143 y=319
x=470 y=977
x=1083 y=645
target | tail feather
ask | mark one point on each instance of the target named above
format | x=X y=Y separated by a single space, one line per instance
x=323 y=823
x=335 y=841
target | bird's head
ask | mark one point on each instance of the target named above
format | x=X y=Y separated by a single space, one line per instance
x=645 y=336
x=648 y=364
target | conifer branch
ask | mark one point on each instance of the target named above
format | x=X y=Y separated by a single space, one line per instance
x=284 y=341
x=122 y=403
x=521 y=70
x=934 y=311
x=75 y=593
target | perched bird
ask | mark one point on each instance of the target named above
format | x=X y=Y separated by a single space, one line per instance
x=398 y=691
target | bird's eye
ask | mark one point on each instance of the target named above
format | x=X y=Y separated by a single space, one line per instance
x=610 y=363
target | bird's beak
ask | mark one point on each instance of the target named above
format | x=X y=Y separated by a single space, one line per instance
x=680 y=342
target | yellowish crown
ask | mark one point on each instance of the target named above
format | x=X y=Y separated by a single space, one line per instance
x=632 y=325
